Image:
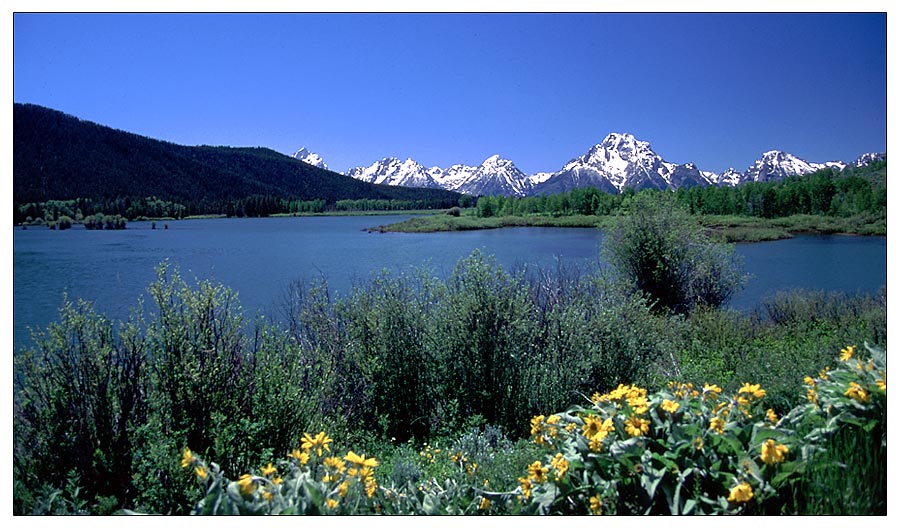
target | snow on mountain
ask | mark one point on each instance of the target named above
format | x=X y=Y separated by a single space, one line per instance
x=621 y=161
x=392 y=171
x=618 y=162
x=312 y=158
x=869 y=157
x=775 y=165
x=495 y=176
x=730 y=177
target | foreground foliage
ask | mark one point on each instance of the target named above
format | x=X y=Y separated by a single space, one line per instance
x=682 y=450
x=103 y=411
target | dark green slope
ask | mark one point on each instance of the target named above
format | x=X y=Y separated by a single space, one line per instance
x=58 y=157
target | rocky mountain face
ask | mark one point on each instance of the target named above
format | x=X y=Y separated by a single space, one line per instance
x=312 y=158
x=620 y=161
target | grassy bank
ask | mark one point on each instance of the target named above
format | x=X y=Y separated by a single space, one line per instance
x=361 y=213
x=723 y=228
x=467 y=221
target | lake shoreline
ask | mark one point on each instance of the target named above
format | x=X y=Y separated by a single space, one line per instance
x=730 y=229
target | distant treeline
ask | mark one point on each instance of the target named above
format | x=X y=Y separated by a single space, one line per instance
x=80 y=209
x=853 y=191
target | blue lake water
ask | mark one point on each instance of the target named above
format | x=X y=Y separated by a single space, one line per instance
x=260 y=257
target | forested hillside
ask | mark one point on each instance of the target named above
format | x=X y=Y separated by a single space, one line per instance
x=59 y=157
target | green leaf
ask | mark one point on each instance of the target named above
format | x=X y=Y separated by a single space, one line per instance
x=431 y=504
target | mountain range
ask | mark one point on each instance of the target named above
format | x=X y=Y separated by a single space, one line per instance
x=620 y=161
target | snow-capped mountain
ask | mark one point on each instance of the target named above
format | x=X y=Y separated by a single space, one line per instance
x=867 y=158
x=392 y=171
x=312 y=158
x=618 y=162
x=495 y=176
x=775 y=165
x=621 y=161
x=730 y=177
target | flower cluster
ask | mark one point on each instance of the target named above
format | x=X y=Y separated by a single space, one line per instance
x=631 y=439
x=681 y=450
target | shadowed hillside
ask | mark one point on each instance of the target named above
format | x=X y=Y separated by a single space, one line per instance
x=60 y=157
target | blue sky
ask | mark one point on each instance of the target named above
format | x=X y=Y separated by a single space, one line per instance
x=714 y=89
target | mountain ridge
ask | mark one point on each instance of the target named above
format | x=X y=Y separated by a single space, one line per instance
x=619 y=161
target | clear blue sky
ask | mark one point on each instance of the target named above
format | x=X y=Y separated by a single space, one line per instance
x=540 y=89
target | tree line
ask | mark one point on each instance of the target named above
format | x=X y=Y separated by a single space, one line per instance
x=826 y=192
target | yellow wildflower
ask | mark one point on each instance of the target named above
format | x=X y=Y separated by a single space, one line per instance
x=302 y=457
x=740 y=493
x=485 y=504
x=334 y=464
x=857 y=393
x=268 y=496
x=537 y=472
x=824 y=373
x=812 y=396
x=268 y=470
x=201 y=472
x=593 y=426
x=360 y=463
x=711 y=392
x=771 y=416
x=639 y=403
x=571 y=426
x=370 y=486
x=318 y=443
x=697 y=443
x=752 y=390
x=809 y=381
x=847 y=353
x=560 y=464
x=717 y=424
x=331 y=503
x=246 y=484
x=619 y=392
x=635 y=426
x=536 y=427
x=596 y=398
x=772 y=453
x=526 y=487
x=882 y=381
x=669 y=406
x=595 y=443
x=595 y=504
x=342 y=489
x=187 y=458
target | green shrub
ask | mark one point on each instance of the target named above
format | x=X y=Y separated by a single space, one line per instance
x=76 y=404
x=661 y=250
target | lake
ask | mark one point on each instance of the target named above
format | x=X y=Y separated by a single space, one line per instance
x=260 y=257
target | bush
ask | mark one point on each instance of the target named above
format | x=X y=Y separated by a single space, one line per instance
x=76 y=404
x=662 y=251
